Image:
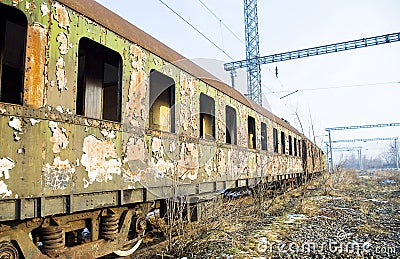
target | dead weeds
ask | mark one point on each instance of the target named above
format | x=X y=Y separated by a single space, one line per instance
x=359 y=204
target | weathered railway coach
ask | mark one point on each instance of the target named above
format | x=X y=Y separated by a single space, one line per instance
x=97 y=117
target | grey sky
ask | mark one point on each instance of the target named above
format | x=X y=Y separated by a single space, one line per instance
x=291 y=25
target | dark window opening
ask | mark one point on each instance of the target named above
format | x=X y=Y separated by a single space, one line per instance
x=283 y=143
x=99 y=81
x=304 y=149
x=295 y=146
x=290 y=146
x=162 y=102
x=13 y=26
x=251 y=130
x=276 y=142
x=299 y=154
x=264 y=136
x=207 y=117
x=230 y=121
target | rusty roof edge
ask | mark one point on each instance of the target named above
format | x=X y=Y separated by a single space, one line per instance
x=119 y=25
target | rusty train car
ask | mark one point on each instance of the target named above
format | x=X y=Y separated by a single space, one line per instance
x=98 y=120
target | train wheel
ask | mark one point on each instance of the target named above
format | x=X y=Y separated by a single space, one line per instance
x=8 y=251
x=136 y=243
x=139 y=224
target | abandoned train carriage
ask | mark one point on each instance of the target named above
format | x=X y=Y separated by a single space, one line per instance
x=97 y=117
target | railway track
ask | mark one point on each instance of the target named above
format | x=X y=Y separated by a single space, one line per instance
x=162 y=241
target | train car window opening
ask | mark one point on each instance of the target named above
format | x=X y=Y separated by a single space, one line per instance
x=251 y=129
x=264 y=136
x=295 y=146
x=13 y=31
x=207 y=117
x=162 y=102
x=290 y=145
x=230 y=122
x=299 y=147
x=99 y=81
x=276 y=141
x=283 y=143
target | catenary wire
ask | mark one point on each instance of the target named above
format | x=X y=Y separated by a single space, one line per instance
x=332 y=87
x=220 y=20
x=197 y=30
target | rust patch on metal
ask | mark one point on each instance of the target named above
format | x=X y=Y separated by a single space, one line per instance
x=35 y=63
x=242 y=129
x=135 y=107
x=63 y=40
x=188 y=110
x=30 y=6
x=59 y=137
x=62 y=16
x=160 y=166
x=60 y=74
x=16 y=2
x=135 y=156
x=45 y=9
x=58 y=174
x=221 y=124
x=189 y=161
x=100 y=159
x=221 y=164
x=136 y=149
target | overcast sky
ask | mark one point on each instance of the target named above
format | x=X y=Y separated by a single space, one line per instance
x=292 y=25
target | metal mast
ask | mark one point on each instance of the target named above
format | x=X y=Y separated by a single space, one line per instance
x=252 y=51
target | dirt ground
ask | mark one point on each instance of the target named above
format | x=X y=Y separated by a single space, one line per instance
x=348 y=214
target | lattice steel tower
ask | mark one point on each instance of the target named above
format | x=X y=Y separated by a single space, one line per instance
x=252 y=51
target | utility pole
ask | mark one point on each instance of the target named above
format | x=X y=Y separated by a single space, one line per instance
x=233 y=75
x=327 y=157
x=330 y=148
x=397 y=153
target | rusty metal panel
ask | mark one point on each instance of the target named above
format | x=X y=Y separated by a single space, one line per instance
x=58 y=170
x=208 y=159
x=8 y=210
x=54 y=205
x=34 y=66
x=21 y=156
x=61 y=65
x=94 y=200
x=98 y=157
x=133 y=196
x=207 y=187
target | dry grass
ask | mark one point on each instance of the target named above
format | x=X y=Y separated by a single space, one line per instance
x=233 y=227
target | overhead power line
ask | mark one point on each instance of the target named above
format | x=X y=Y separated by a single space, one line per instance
x=332 y=87
x=197 y=30
x=220 y=20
